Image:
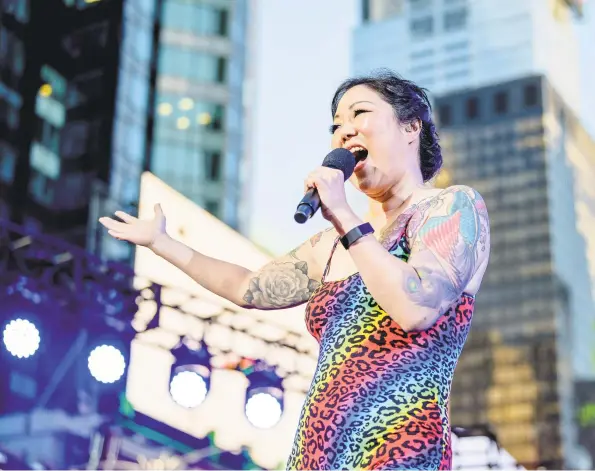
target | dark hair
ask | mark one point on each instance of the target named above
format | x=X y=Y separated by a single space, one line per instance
x=410 y=103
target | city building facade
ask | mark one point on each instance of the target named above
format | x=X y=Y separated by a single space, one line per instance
x=521 y=147
x=74 y=111
x=198 y=138
x=447 y=45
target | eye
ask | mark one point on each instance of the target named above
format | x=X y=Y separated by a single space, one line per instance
x=358 y=112
x=333 y=128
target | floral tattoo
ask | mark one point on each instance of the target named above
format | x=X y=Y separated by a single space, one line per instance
x=281 y=284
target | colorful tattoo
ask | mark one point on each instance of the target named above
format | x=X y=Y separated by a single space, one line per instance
x=450 y=235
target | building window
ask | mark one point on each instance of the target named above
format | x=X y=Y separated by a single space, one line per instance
x=191 y=64
x=472 y=108
x=17 y=8
x=445 y=115
x=501 y=102
x=221 y=69
x=421 y=26
x=530 y=95
x=9 y=111
x=455 y=19
x=8 y=159
x=419 y=3
x=365 y=10
x=212 y=207
x=195 y=17
x=213 y=165
x=186 y=113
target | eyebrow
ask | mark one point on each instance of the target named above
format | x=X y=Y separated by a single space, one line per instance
x=355 y=103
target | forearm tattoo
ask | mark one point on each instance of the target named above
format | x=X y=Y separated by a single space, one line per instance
x=281 y=284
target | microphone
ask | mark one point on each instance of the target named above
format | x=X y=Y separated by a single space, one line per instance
x=340 y=159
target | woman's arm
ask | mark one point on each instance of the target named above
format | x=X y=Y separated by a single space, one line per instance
x=282 y=283
x=450 y=245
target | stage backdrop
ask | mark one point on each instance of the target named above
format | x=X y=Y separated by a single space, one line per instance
x=247 y=333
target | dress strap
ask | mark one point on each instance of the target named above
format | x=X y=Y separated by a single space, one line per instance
x=328 y=263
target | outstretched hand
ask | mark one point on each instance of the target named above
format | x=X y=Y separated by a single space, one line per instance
x=138 y=231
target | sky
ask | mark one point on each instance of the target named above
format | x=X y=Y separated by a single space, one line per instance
x=302 y=53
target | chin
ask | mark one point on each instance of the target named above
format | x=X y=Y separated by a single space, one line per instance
x=365 y=183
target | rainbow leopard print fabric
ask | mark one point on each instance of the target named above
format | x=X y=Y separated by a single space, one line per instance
x=379 y=398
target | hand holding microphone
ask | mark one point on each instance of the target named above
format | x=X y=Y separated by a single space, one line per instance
x=326 y=186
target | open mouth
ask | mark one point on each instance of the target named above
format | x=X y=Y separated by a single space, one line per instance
x=360 y=153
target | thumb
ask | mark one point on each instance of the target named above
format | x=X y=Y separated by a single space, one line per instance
x=158 y=211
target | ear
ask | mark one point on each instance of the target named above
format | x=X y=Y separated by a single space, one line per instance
x=413 y=130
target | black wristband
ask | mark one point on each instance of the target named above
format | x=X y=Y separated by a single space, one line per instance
x=355 y=234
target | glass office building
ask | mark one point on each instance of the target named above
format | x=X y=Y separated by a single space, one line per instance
x=197 y=140
x=74 y=112
x=448 y=45
x=518 y=144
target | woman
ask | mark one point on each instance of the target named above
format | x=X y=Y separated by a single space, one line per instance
x=391 y=313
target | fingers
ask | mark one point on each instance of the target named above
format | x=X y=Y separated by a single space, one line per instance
x=113 y=225
x=125 y=217
x=116 y=235
x=322 y=176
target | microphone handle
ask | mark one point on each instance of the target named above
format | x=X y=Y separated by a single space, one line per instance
x=309 y=204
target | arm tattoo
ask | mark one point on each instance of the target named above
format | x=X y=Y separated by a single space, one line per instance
x=281 y=284
x=449 y=245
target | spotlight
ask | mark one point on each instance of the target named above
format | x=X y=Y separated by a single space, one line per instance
x=106 y=363
x=191 y=373
x=21 y=338
x=264 y=396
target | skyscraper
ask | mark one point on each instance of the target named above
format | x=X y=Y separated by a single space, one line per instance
x=505 y=79
x=74 y=94
x=521 y=147
x=447 y=45
x=197 y=143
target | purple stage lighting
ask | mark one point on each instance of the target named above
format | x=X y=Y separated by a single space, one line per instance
x=21 y=338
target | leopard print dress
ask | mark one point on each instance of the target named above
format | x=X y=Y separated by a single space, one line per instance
x=379 y=398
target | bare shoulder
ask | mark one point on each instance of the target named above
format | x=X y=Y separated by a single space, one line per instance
x=447 y=201
x=319 y=247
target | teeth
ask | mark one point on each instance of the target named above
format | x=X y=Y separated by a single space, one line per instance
x=353 y=150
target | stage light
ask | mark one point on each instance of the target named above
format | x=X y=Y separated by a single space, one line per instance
x=263 y=410
x=21 y=338
x=188 y=389
x=106 y=363
x=264 y=396
x=191 y=372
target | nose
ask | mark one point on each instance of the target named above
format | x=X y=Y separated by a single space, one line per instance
x=346 y=132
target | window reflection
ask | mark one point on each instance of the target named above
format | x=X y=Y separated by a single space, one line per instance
x=201 y=19
x=194 y=65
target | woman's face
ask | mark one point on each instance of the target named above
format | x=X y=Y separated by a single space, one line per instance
x=365 y=121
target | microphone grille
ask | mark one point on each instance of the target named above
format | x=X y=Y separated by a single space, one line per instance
x=340 y=159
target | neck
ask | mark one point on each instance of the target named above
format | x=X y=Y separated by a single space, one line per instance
x=396 y=200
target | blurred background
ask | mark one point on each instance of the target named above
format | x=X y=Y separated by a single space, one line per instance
x=218 y=109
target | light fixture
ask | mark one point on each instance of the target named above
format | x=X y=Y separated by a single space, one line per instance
x=45 y=90
x=165 y=109
x=204 y=119
x=183 y=123
x=186 y=104
x=21 y=338
x=191 y=373
x=106 y=363
x=264 y=396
